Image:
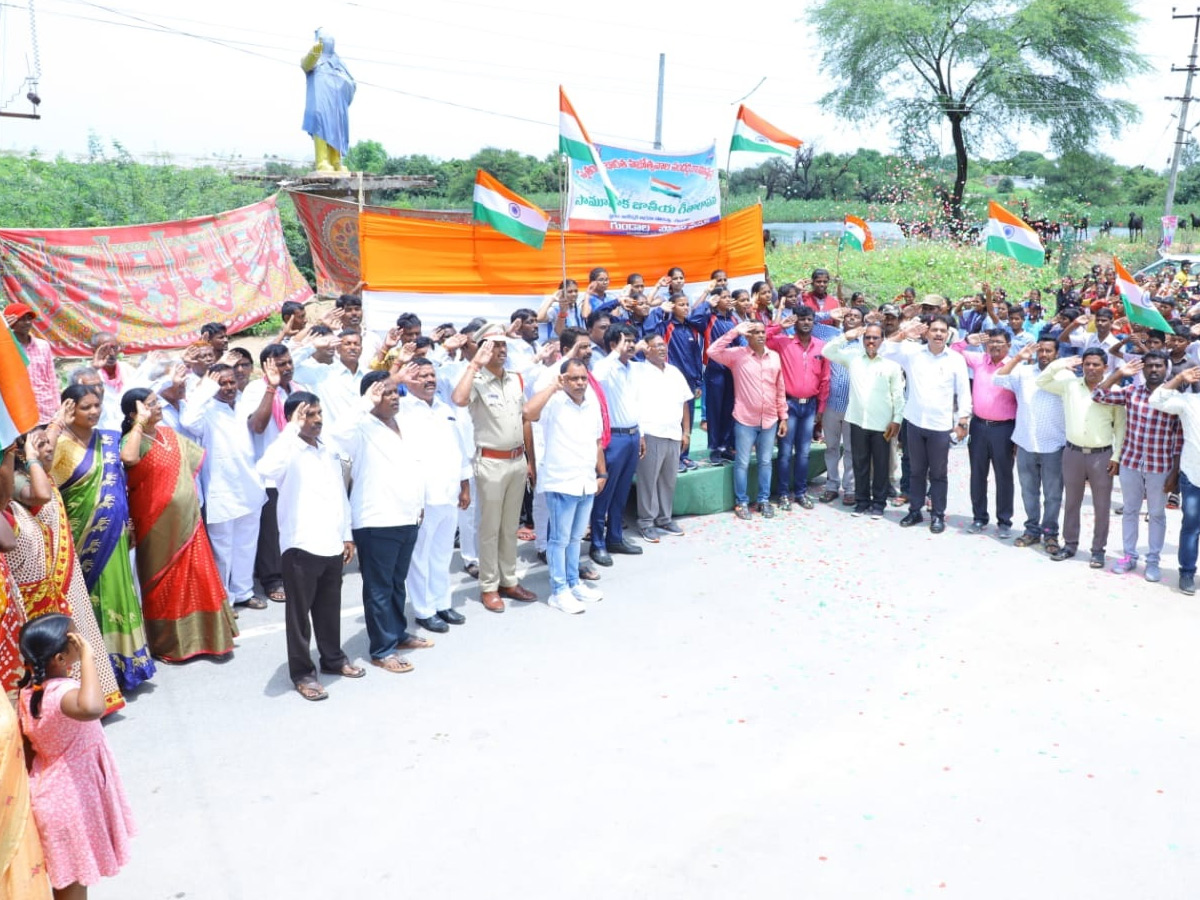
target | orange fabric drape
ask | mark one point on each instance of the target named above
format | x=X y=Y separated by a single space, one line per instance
x=450 y=258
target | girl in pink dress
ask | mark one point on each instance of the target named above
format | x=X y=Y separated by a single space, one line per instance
x=78 y=802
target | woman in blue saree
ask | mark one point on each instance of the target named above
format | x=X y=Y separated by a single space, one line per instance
x=87 y=469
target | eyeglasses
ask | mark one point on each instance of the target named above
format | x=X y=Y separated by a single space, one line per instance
x=872 y=337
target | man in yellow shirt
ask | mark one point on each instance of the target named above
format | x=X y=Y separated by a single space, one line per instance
x=1094 y=436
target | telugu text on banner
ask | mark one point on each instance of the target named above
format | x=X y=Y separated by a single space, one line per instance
x=656 y=191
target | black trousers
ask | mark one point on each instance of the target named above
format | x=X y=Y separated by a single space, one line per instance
x=267 y=568
x=929 y=460
x=992 y=447
x=872 y=460
x=314 y=591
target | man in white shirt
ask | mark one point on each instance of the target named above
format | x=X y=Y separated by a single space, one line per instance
x=615 y=376
x=261 y=406
x=1040 y=435
x=314 y=532
x=234 y=492
x=333 y=372
x=387 y=497
x=446 y=465
x=1170 y=398
x=571 y=470
x=665 y=398
x=352 y=320
x=937 y=381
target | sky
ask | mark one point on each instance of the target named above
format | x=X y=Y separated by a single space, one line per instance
x=197 y=83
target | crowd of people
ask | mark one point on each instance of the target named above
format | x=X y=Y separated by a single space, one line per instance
x=154 y=504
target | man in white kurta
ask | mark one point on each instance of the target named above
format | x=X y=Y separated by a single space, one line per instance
x=233 y=490
x=432 y=424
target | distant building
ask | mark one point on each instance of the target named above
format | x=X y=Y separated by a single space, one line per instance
x=1020 y=182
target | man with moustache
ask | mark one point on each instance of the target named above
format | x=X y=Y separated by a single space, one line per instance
x=1149 y=458
x=494 y=398
x=806 y=375
x=233 y=492
x=314 y=516
x=1093 y=448
x=937 y=381
x=994 y=417
x=1039 y=434
x=261 y=406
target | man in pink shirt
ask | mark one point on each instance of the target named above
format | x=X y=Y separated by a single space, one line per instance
x=20 y=319
x=806 y=383
x=759 y=409
x=992 y=422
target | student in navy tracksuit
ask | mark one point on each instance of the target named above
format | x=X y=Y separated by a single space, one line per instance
x=685 y=351
x=712 y=319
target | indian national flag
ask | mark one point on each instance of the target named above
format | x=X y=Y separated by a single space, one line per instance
x=757 y=135
x=18 y=408
x=1138 y=308
x=857 y=235
x=1008 y=235
x=665 y=187
x=508 y=213
x=573 y=140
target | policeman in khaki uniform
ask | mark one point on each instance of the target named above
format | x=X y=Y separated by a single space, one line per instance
x=494 y=398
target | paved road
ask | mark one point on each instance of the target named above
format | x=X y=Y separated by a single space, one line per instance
x=816 y=707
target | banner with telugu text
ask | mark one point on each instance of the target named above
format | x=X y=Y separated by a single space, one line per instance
x=153 y=286
x=657 y=191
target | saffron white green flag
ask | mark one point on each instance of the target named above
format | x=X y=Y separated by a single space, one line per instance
x=507 y=212
x=1009 y=236
x=857 y=235
x=756 y=135
x=1138 y=308
x=573 y=140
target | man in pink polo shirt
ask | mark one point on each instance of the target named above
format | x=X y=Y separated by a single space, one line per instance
x=992 y=422
x=806 y=375
x=20 y=319
x=759 y=409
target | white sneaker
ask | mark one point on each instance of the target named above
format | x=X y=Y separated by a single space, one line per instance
x=565 y=601
x=587 y=593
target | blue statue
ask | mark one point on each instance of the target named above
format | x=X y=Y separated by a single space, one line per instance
x=329 y=92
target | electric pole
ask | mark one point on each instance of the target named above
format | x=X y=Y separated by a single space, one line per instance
x=662 y=68
x=1182 y=136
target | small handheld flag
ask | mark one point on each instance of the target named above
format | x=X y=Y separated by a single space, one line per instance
x=1138 y=308
x=857 y=235
x=1009 y=236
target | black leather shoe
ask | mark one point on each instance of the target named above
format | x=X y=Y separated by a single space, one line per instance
x=434 y=624
x=451 y=616
x=600 y=557
x=1064 y=553
x=913 y=518
x=937 y=525
x=626 y=546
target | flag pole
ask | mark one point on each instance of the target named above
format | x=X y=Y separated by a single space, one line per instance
x=564 y=180
x=837 y=267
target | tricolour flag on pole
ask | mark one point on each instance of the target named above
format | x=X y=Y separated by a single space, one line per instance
x=508 y=212
x=18 y=407
x=756 y=135
x=1008 y=235
x=857 y=235
x=573 y=140
x=1138 y=308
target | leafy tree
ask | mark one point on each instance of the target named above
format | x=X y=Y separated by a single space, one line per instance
x=983 y=66
x=1005 y=185
x=1084 y=176
x=367 y=156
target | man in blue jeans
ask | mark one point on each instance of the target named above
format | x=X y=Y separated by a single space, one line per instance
x=806 y=376
x=617 y=378
x=759 y=409
x=571 y=469
x=1170 y=399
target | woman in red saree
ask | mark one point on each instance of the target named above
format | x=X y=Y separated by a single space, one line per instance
x=183 y=597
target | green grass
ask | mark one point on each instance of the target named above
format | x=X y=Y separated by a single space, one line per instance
x=937 y=268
